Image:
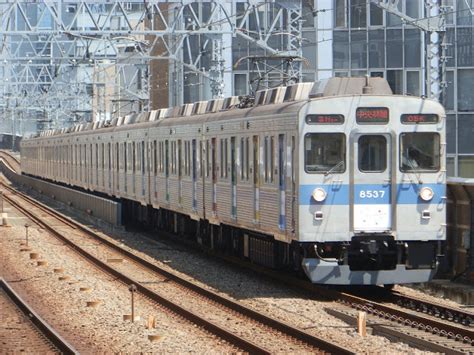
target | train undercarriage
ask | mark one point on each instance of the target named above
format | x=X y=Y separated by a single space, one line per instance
x=367 y=259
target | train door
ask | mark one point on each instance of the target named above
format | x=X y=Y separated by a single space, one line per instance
x=233 y=178
x=281 y=181
x=167 y=170
x=180 y=173
x=214 y=176
x=194 y=172
x=117 y=166
x=143 y=167
x=256 y=178
x=371 y=174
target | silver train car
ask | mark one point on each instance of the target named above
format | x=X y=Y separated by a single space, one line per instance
x=340 y=179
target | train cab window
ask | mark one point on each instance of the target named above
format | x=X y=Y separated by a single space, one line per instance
x=372 y=153
x=419 y=151
x=325 y=153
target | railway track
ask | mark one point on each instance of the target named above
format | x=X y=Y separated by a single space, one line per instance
x=417 y=322
x=12 y=162
x=216 y=314
x=22 y=330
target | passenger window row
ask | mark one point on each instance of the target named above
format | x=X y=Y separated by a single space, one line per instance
x=230 y=158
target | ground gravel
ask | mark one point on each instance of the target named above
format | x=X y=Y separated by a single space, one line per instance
x=90 y=330
x=102 y=328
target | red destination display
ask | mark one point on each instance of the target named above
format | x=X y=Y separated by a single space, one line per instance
x=324 y=119
x=372 y=115
x=417 y=118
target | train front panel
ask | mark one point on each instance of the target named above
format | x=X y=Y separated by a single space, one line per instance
x=372 y=189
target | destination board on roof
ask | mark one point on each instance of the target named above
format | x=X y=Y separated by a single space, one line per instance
x=417 y=118
x=325 y=119
x=369 y=115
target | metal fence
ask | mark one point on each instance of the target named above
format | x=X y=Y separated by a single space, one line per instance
x=98 y=207
x=459 y=259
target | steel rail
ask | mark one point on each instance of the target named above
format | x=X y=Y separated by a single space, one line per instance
x=436 y=326
x=209 y=326
x=267 y=321
x=58 y=342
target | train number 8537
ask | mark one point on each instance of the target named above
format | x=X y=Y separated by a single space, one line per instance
x=371 y=193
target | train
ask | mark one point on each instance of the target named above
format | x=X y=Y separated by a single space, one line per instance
x=339 y=180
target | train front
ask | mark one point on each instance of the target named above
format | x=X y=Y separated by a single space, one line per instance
x=372 y=192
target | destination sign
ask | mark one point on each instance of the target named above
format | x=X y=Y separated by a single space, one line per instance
x=417 y=118
x=372 y=115
x=325 y=119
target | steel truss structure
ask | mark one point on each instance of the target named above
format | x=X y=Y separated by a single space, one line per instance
x=434 y=26
x=56 y=55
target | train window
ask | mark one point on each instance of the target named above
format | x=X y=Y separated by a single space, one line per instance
x=155 y=158
x=222 y=158
x=179 y=158
x=325 y=153
x=142 y=160
x=272 y=157
x=247 y=158
x=208 y=164
x=419 y=151
x=242 y=154
x=265 y=159
x=226 y=156
x=372 y=153
x=125 y=166
x=133 y=157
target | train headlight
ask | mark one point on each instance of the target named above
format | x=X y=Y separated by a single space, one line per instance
x=426 y=194
x=319 y=194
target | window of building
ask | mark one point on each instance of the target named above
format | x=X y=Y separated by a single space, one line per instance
x=394 y=49
x=465 y=92
x=463 y=14
x=358 y=13
x=358 y=49
x=341 y=49
x=466 y=166
x=451 y=166
x=394 y=20
x=240 y=84
x=448 y=93
x=376 y=15
x=465 y=133
x=309 y=49
x=376 y=49
x=465 y=47
x=412 y=8
x=451 y=134
x=340 y=13
x=395 y=80
x=413 y=83
x=412 y=45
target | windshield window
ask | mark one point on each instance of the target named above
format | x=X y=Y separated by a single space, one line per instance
x=325 y=152
x=372 y=154
x=419 y=152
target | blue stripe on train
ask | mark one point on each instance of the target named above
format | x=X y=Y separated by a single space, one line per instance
x=370 y=194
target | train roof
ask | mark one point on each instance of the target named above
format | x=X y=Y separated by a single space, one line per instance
x=279 y=100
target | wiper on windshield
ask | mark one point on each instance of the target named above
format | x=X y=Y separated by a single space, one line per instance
x=338 y=165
